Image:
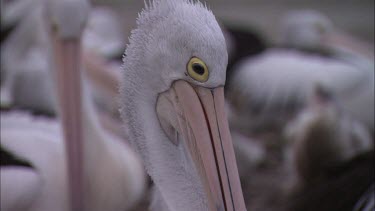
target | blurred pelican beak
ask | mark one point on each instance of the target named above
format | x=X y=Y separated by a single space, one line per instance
x=341 y=40
x=68 y=77
x=200 y=119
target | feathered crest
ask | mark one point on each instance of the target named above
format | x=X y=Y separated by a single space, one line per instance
x=150 y=4
x=158 y=13
x=157 y=9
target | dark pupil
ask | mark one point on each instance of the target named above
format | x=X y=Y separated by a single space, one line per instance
x=199 y=69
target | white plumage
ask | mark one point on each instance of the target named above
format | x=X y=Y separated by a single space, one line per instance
x=113 y=177
x=268 y=87
x=26 y=79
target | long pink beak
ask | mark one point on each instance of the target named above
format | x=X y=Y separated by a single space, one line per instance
x=200 y=119
x=68 y=77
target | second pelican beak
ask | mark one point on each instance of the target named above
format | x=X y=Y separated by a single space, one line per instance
x=200 y=119
x=68 y=77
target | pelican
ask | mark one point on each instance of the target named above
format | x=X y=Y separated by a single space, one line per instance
x=312 y=31
x=273 y=85
x=269 y=89
x=172 y=103
x=25 y=54
x=78 y=167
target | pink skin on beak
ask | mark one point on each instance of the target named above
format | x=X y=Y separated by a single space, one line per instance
x=200 y=119
x=68 y=77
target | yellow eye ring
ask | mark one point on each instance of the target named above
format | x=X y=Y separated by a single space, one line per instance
x=197 y=69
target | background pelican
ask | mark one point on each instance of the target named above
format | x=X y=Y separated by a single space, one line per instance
x=276 y=84
x=267 y=91
x=95 y=171
x=24 y=49
x=25 y=53
x=310 y=30
x=332 y=155
x=173 y=106
x=271 y=86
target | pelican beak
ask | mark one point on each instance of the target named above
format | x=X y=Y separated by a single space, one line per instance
x=341 y=40
x=68 y=77
x=200 y=119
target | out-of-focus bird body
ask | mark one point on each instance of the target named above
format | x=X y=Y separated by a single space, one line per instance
x=110 y=175
x=330 y=152
x=27 y=51
x=276 y=84
x=269 y=90
x=40 y=143
x=324 y=136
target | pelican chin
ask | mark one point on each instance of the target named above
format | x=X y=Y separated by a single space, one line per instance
x=198 y=122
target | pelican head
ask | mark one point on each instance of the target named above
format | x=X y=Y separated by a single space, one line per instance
x=173 y=106
x=305 y=29
x=68 y=17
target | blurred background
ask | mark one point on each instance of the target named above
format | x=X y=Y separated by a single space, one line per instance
x=354 y=17
x=266 y=121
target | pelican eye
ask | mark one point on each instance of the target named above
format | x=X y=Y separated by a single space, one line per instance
x=197 y=69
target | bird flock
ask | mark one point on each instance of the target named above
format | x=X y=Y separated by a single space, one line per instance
x=91 y=120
